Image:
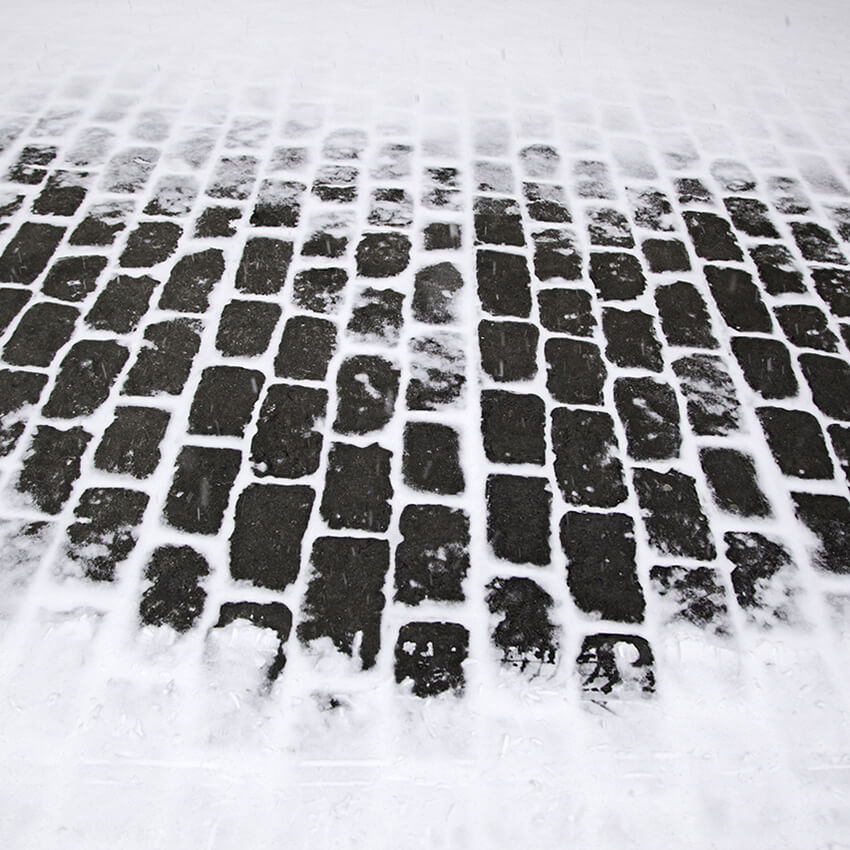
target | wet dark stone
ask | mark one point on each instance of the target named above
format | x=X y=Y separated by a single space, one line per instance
x=246 y=328
x=306 y=348
x=796 y=442
x=617 y=277
x=321 y=243
x=504 y=283
x=666 y=255
x=29 y=251
x=121 y=304
x=508 y=350
x=357 y=488
x=233 y=178
x=224 y=400
x=684 y=317
x=498 y=221
x=29 y=166
x=431 y=458
x=265 y=547
x=216 y=222
x=691 y=190
x=376 y=316
x=712 y=236
x=367 y=388
x=345 y=598
x=432 y=560
x=833 y=285
x=152 y=242
x=102 y=224
x=263 y=267
x=191 y=282
x=85 y=378
x=839 y=436
x=513 y=427
x=51 y=466
x=62 y=194
x=576 y=372
x=287 y=444
x=556 y=255
x=442 y=236
x=73 y=278
x=437 y=372
x=587 y=466
x=518 y=510
x=766 y=365
x=777 y=269
x=608 y=227
x=651 y=209
x=278 y=204
x=525 y=633
x=806 y=326
x=816 y=243
x=829 y=380
x=336 y=184
x=761 y=566
x=695 y=594
x=546 y=206
x=382 y=254
x=566 y=311
x=672 y=514
x=712 y=404
x=320 y=290
x=174 y=597
x=431 y=656
x=631 y=340
x=601 y=574
x=390 y=208
x=604 y=671
x=12 y=301
x=751 y=216
x=738 y=299
x=200 y=489
x=107 y=519
x=40 y=333
x=130 y=445
x=164 y=363
x=435 y=294
x=129 y=170
x=592 y=180
x=18 y=391
x=650 y=414
x=264 y=615
x=732 y=477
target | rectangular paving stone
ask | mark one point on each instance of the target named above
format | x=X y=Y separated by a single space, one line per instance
x=751 y=216
x=192 y=281
x=829 y=380
x=442 y=236
x=278 y=203
x=631 y=339
x=225 y=400
x=40 y=333
x=390 y=208
x=366 y=389
x=566 y=311
x=828 y=517
x=650 y=414
x=164 y=363
x=245 y=328
x=217 y=222
x=265 y=547
x=264 y=615
x=382 y=254
x=174 y=195
x=806 y=327
x=306 y=348
x=437 y=372
x=435 y=294
x=839 y=436
x=288 y=443
x=575 y=371
x=546 y=202
x=603 y=674
x=601 y=572
x=121 y=304
x=63 y=193
x=738 y=299
x=766 y=365
x=344 y=599
x=592 y=180
x=174 y=596
x=504 y=283
x=357 y=488
x=833 y=285
x=102 y=224
x=556 y=255
x=651 y=208
x=525 y=634
x=431 y=459
x=320 y=290
x=73 y=278
x=130 y=445
x=264 y=265
x=376 y=316
x=129 y=170
x=733 y=481
x=12 y=301
x=666 y=255
x=518 y=510
x=712 y=237
x=816 y=243
x=712 y=404
x=684 y=316
x=29 y=167
x=512 y=425
x=151 y=243
x=19 y=392
x=498 y=221
x=200 y=489
x=608 y=227
x=30 y=249
x=796 y=441
x=508 y=350
x=617 y=276
x=694 y=595
x=233 y=178
x=431 y=656
x=777 y=269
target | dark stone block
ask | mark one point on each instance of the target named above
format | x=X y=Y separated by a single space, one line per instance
x=695 y=596
x=265 y=547
x=431 y=458
x=691 y=190
x=40 y=333
x=130 y=445
x=833 y=285
x=163 y=365
x=129 y=170
x=762 y=573
x=601 y=573
x=498 y=221
x=367 y=388
x=738 y=299
x=437 y=372
x=51 y=466
x=839 y=436
x=631 y=340
x=587 y=467
x=712 y=236
x=12 y=301
x=609 y=227
x=18 y=392
x=245 y=328
x=508 y=350
x=651 y=209
x=224 y=400
x=62 y=194
x=200 y=490
x=29 y=251
x=606 y=670
x=732 y=477
x=806 y=327
x=152 y=242
x=796 y=442
x=376 y=316
x=102 y=224
x=650 y=414
x=816 y=243
x=829 y=380
x=751 y=216
x=382 y=254
x=513 y=427
x=191 y=281
x=617 y=277
x=306 y=348
x=684 y=317
x=766 y=365
x=174 y=196
x=566 y=311
x=432 y=560
x=73 y=278
x=712 y=403
x=216 y=222
x=390 y=208
x=504 y=283
x=525 y=634
x=263 y=267
x=672 y=514
x=435 y=294
x=264 y=615
x=121 y=304
x=576 y=372
x=174 y=596
x=442 y=236
x=85 y=378
x=777 y=269
x=234 y=177
x=518 y=510
x=556 y=255
x=431 y=655
x=666 y=255
x=357 y=488
x=344 y=599
x=278 y=204
x=287 y=444
x=29 y=167
x=320 y=290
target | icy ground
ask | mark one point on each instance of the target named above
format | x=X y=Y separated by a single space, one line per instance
x=424 y=425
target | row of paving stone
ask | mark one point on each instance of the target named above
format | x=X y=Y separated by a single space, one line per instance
x=621 y=331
